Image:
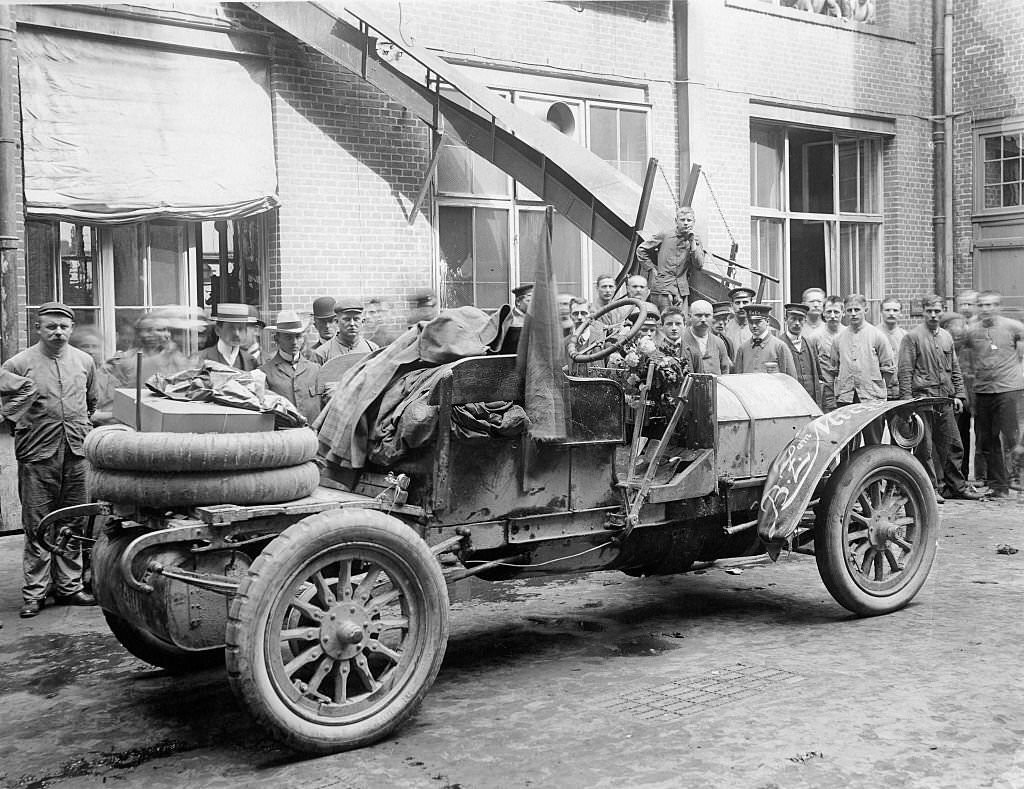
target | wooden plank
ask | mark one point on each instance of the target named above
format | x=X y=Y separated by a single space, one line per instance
x=320 y=501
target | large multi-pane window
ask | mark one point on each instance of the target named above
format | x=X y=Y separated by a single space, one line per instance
x=816 y=211
x=491 y=228
x=113 y=275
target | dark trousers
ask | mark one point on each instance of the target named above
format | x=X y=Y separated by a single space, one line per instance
x=665 y=300
x=995 y=425
x=940 y=451
x=45 y=486
x=873 y=431
x=963 y=424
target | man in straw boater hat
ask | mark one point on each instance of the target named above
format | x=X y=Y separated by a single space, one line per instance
x=804 y=349
x=49 y=433
x=231 y=324
x=288 y=373
x=763 y=347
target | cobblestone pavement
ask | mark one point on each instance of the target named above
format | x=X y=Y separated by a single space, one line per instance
x=714 y=679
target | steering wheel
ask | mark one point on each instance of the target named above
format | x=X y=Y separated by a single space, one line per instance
x=599 y=350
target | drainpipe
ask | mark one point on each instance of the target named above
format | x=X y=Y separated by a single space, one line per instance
x=680 y=13
x=939 y=143
x=8 y=191
x=947 y=122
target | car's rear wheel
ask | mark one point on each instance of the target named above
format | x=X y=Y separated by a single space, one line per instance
x=876 y=539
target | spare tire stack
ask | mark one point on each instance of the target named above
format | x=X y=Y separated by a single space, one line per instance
x=175 y=470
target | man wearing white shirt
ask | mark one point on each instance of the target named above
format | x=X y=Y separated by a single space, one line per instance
x=231 y=322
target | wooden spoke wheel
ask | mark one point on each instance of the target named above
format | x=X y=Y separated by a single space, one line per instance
x=876 y=543
x=339 y=630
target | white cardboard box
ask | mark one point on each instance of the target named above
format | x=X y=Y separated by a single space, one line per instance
x=163 y=415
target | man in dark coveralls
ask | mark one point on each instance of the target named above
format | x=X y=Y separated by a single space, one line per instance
x=48 y=438
x=928 y=367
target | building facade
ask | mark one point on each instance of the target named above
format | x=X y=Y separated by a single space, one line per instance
x=813 y=138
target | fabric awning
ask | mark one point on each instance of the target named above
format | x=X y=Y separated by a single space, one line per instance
x=581 y=186
x=119 y=133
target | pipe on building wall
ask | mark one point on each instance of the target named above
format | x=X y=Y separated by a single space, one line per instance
x=949 y=245
x=939 y=142
x=8 y=190
x=680 y=13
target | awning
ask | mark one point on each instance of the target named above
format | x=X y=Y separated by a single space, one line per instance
x=119 y=133
x=592 y=194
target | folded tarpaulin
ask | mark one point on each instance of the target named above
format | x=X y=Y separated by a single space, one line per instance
x=121 y=133
x=219 y=383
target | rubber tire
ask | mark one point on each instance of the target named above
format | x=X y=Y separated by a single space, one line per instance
x=277 y=568
x=161 y=491
x=155 y=651
x=830 y=542
x=119 y=448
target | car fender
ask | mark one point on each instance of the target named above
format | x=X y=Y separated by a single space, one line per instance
x=796 y=471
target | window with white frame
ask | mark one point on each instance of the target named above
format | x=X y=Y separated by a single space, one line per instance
x=113 y=275
x=816 y=210
x=491 y=228
x=1002 y=170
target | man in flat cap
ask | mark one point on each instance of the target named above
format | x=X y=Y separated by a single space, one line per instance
x=668 y=259
x=288 y=373
x=721 y=314
x=48 y=438
x=349 y=338
x=804 y=349
x=737 y=329
x=232 y=324
x=522 y=298
x=763 y=347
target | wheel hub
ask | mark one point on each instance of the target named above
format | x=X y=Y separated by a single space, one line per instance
x=344 y=630
x=882 y=528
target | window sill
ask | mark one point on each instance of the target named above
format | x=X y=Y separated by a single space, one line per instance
x=809 y=18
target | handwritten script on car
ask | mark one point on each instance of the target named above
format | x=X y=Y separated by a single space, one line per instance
x=794 y=475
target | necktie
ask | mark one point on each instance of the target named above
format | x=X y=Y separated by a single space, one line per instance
x=756 y=342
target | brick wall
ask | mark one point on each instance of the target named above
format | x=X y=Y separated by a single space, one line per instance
x=988 y=84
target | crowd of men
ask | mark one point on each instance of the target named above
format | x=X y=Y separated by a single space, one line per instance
x=57 y=389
